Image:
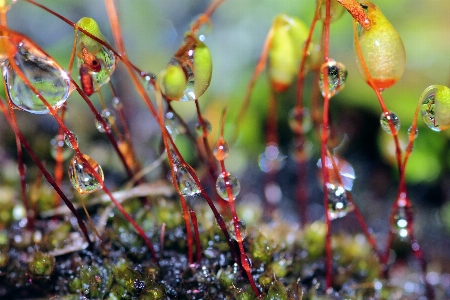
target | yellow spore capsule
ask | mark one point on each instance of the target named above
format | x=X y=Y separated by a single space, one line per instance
x=382 y=49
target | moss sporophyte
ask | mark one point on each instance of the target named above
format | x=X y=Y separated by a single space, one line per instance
x=121 y=183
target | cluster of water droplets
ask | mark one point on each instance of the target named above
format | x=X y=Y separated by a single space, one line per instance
x=85 y=174
x=338 y=203
x=336 y=76
x=271 y=160
x=386 y=119
x=42 y=72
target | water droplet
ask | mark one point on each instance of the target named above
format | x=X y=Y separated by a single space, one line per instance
x=246 y=261
x=400 y=223
x=204 y=29
x=346 y=172
x=384 y=121
x=337 y=75
x=117 y=104
x=221 y=150
x=435 y=108
x=199 y=128
x=338 y=204
x=242 y=229
x=58 y=143
x=185 y=181
x=300 y=120
x=69 y=142
x=107 y=60
x=173 y=124
x=149 y=79
x=336 y=10
x=271 y=159
x=81 y=174
x=42 y=71
x=109 y=117
x=227 y=180
x=416 y=132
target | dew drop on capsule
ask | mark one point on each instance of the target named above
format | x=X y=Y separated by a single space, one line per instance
x=227 y=180
x=337 y=74
x=81 y=174
x=435 y=107
x=42 y=72
x=386 y=118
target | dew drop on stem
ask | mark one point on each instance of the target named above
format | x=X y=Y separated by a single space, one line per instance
x=41 y=71
x=227 y=180
x=69 y=142
x=221 y=150
x=300 y=120
x=338 y=204
x=400 y=222
x=242 y=229
x=337 y=74
x=81 y=175
x=385 y=120
x=185 y=181
x=199 y=128
x=109 y=117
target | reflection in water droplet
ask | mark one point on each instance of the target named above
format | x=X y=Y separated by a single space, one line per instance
x=337 y=74
x=428 y=107
x=199 y=128
x=44 y=74
x=384 y=122
x=300 y=120
x=338 y=203
x=107 y=61
x=228 y=180
x=221 y=150
x=173 y=125
x=81 y=174
x=69 y=142
x=416 y=132
x=242 y=229
x=117 y=104
x=185 y=182
x=271 y=159
x=109 y=118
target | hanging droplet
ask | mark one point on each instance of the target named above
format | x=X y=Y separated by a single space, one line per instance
x=435 y=108
x=271 y=159
x=185 y=182
x=109 y=117
x=346 y=172
x=382 y=50
x=242 y=229
x=337 y=74
x=150 y=80
x=388 y=117
x=338 y=204
x=221 y=150
x=199 y=128
x=300 y=120
x=400 y=222
x=69 y=142
x=40 y=70
x=336 y=10
x=81 y=174
x=117 y=104
x=58 y=143
x=225 y=181
x=100 y=61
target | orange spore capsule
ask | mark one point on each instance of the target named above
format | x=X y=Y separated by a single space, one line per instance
x=91 y=62
x=86 y=80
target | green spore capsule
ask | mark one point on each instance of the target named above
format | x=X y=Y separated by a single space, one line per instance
x=41 y=264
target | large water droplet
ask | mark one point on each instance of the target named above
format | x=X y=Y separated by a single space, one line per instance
x=271 y=159
x=385 y=118
x=81 y=174
x=185 y=181
x=221 y=150
x=109 y=117
x=337 y=74
x=242 y=229
x=227 y=180
x=42 y=71
x=338 y=204
x=435 y=107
